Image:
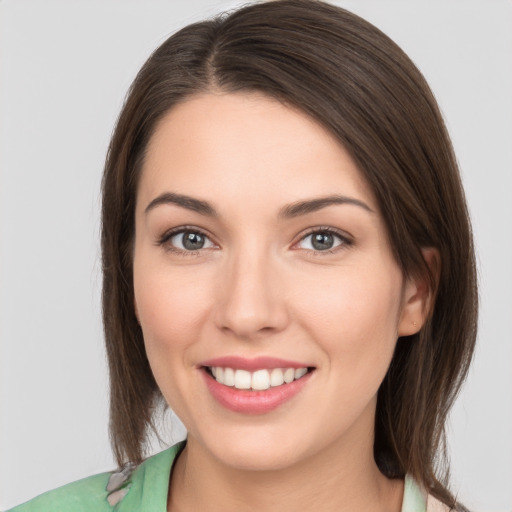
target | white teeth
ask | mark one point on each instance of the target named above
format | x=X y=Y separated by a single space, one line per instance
x=276 y=377
x=242 y=379
x=300 y=372
x=229 y=377
x=260 y=380
x=289 y=375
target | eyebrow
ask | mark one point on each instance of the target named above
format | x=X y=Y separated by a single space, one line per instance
x=312 y=205
x=289 y=211
x=190 y=203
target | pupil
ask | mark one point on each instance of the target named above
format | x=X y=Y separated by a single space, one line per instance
x=322 y=241
x=193 y=241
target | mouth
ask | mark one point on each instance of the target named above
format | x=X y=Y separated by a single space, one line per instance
x=254 y=386
x=259 y=380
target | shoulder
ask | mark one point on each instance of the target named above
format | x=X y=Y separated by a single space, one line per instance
x=83 y=495
x=100 y=493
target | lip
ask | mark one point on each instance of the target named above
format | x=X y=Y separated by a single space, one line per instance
x=253 y=402
x=251 y=365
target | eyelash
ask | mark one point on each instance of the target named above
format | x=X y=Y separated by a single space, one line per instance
x=166 y=237
x=346 y=241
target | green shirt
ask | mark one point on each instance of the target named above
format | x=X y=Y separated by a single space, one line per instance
x=144 y=490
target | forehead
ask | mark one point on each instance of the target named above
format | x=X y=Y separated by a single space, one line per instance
x=246 y=146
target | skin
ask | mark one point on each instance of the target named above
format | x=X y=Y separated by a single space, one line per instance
x=259 y=288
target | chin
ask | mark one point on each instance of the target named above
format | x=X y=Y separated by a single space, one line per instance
x=257 y=459
x=256 y=450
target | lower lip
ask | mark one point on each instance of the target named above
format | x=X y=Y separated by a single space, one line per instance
x=254 y=402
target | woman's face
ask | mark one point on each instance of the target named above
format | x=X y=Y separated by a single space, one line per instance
x=261 y=257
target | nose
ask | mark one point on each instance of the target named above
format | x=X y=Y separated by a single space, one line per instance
x=251 y=300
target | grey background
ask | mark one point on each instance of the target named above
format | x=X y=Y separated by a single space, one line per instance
x=65 y=67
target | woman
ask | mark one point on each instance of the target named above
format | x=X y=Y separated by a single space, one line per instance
x=288 y=264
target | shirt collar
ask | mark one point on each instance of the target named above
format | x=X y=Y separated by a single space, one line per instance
x=149 y=486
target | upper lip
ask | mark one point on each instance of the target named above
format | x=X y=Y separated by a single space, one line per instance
x=253 y=364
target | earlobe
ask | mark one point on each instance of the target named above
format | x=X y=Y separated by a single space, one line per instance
x=419 y=294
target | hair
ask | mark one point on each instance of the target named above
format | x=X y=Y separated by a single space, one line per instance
x=350 y=77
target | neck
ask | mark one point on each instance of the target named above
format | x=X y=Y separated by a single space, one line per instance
x=339 y=478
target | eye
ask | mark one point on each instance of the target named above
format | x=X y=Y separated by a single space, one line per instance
x=324 y=240
x=185 y=241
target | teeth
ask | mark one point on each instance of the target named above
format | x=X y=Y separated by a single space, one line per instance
x=289 y=375
x=242 y=379
x=276 y=377
x=259 y=380
x=300 y=372
x=229 y=377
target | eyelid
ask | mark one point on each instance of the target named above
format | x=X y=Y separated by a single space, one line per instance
x=346 y=239
x=166 y=237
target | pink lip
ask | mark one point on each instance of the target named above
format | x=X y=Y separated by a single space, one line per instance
x=253 y=402
x=251 y=365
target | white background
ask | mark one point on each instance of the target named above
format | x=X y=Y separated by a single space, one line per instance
x=65 y=67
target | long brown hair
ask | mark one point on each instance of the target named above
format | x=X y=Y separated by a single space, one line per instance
x=354 y=80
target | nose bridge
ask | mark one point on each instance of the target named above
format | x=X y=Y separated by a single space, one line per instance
x=251 y=301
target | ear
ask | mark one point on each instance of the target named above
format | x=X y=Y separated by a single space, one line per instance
x=418 y=295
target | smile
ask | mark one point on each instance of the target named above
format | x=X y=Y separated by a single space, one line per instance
x=254 y=386
x=259 y=380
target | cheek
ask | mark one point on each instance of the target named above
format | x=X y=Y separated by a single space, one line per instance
x=353 y=320
x=171 y=306
x=170 y=314
x=353 y=314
